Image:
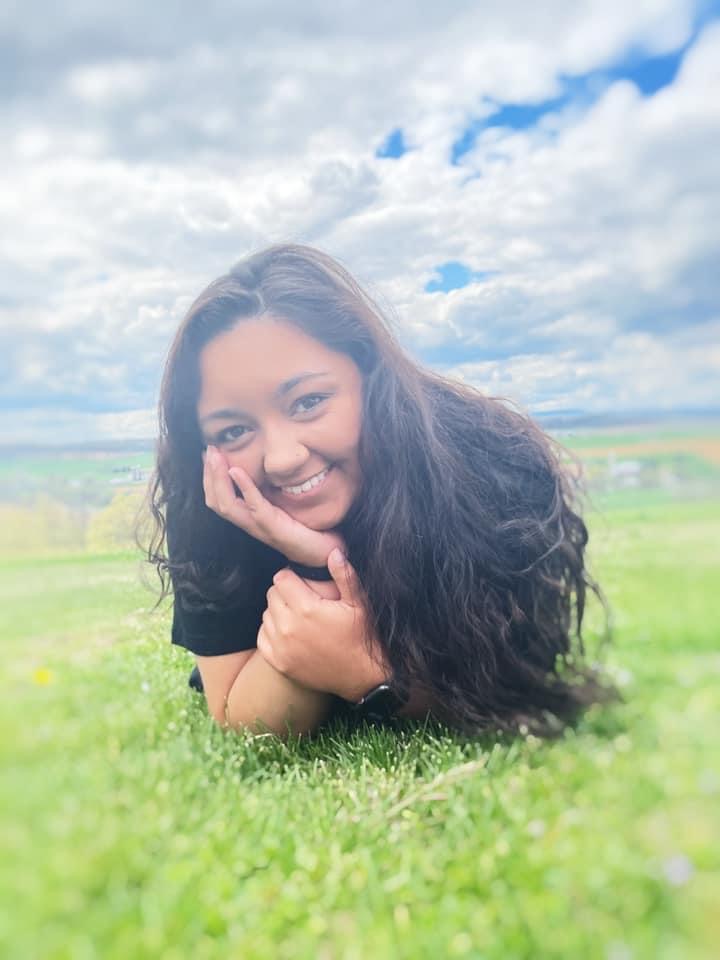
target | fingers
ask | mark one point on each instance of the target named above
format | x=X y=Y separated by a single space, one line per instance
x=250 y=493
x=219 y=491
x=264 y=644
x=207 y=482
x=345 y=577
x=293 y=592
x=269 y=643
x=210 y=465
x=275 y=603
x=223 y=490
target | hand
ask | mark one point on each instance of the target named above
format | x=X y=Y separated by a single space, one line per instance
x=320 y=643
x=260 y=518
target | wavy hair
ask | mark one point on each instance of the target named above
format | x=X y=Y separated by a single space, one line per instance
x=466 y=533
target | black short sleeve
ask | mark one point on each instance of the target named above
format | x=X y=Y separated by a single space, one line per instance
x=209 y=633
x=234 y=625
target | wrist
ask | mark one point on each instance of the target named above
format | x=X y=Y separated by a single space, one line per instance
x=371 y=673
x=387 y=699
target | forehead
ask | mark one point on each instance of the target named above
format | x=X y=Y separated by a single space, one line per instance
x=255 y=356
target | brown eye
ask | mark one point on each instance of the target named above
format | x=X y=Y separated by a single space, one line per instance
x=317 y=397
x=230 y=434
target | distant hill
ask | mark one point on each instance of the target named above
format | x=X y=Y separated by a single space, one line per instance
x=557 y=420
x=109 y=446
x=581 y=420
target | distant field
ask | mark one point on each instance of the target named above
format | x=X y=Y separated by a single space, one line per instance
x=72 y=477
x=134 y=827
x=604 y=437
x=73 y=464
x=707 y=448
x=70 y=499
x=92 y=477
x=652 y=465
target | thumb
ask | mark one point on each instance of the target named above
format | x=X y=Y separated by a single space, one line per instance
x=345 y=577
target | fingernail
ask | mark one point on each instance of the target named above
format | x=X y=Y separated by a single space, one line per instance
x=337 y=556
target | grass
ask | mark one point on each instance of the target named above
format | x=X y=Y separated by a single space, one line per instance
x=139 y=829
x=607 y=437
x=70 y=466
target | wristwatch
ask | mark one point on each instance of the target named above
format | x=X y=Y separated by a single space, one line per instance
x=382 y=702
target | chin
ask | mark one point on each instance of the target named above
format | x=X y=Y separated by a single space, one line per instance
x=322 y=520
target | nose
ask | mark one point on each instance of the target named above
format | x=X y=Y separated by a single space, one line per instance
x=283 y=456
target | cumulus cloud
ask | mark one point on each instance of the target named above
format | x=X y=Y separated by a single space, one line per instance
x=142 y=162
x=632 y=371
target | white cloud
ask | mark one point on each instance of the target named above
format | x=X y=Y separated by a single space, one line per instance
x=634 y=371
x=97 y=84
x=52 y=425
x=139 y=169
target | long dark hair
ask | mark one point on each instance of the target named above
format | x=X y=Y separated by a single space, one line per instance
x=466 y=533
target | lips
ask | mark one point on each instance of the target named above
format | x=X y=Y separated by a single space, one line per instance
x=300 y=494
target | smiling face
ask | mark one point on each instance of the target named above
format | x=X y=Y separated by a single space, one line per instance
x=285 y=408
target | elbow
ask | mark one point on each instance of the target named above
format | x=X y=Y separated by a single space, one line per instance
x=231 y=720
x=217 y=708
x=218 y=715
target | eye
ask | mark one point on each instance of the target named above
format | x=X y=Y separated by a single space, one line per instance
x=306 y=400
x=230 y=434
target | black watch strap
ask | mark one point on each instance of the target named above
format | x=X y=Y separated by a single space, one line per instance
x=310 y=573
x=381 y=702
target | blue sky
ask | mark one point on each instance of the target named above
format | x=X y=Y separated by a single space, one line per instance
x=533 y=200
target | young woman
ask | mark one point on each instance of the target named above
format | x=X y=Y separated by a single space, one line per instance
x=339 y=524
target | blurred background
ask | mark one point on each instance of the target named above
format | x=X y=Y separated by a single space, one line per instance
x=530 y=194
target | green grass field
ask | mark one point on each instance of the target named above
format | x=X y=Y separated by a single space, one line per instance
x=136 y=828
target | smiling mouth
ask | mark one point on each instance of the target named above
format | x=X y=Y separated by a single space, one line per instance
x=308 y=486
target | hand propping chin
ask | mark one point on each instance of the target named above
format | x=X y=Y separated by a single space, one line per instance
x=264 y=521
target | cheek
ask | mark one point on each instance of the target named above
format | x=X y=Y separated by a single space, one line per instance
x=346 y=428
x=249 y=461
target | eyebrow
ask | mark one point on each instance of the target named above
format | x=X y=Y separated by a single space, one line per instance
x=230 y=412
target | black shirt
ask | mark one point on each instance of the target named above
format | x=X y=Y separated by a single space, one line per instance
x=209 y=633
x=234 y=626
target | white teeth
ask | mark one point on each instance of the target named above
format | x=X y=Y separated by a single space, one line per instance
x=309 y=484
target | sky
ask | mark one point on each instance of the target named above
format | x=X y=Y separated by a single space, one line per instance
x=529 y=191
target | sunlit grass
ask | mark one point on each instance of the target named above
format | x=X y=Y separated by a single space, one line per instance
x=136 y=828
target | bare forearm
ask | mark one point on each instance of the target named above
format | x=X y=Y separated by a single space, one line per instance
x=261 y=699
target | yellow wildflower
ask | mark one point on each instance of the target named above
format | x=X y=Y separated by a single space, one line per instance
x=42 y=676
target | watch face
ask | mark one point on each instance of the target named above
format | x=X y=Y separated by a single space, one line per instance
x=380 y=703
